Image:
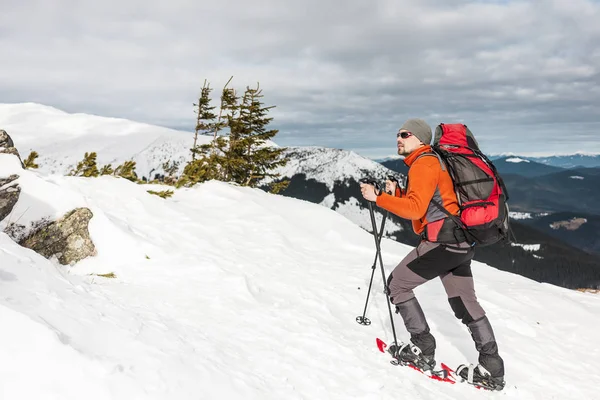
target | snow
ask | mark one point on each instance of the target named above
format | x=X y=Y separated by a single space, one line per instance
x=526 y=215
x=528 y=247
x=516 y=160
x=519 y=215
x=230 y=292
x=61 y=139
x=576 y=177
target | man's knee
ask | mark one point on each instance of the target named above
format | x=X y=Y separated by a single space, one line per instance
x=460 y=310
x=399 y=290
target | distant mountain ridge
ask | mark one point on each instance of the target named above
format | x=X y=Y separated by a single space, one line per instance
x=575 y=160
x=524 y=167
x=572 y=190
x=561 y=161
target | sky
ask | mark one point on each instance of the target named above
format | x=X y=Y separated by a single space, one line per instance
x=523 y=75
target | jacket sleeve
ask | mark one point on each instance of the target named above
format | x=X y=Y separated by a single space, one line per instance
x=423 y=179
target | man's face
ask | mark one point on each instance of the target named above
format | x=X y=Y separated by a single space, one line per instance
x=407 y=142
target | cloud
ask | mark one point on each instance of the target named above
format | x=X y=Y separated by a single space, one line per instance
x=342 y=73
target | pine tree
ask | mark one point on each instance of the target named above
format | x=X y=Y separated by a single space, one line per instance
x=86 y=167
x=127 y=171
x=225 y=100
x=29 y=163
x=231 y=158
x=208 y=165
x=244 y=156
x=256 y=158
x=208 y=161
x=205 y=124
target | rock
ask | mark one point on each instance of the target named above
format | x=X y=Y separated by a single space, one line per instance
x=67 y=238
x=571 y=225
x=7 y=145
x=9 y=195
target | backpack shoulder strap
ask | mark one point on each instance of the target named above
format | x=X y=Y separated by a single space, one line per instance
x=433 y=201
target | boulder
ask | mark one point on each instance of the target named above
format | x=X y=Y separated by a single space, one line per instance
x=7 y=145
x=67 y=238
x=9 y=195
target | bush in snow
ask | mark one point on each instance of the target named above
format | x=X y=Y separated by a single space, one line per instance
x=86 y=167
x=29 y=162
x=107 y=170
x=127 y=171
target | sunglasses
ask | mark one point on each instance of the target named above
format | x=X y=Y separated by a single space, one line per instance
x=404 y=135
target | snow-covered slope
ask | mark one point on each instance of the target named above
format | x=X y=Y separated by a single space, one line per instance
x=62 y=139
x=225 y=292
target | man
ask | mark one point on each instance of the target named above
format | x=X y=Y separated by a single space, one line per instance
x=442 y=252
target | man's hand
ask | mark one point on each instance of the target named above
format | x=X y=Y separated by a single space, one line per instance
x=390 y=187
x=368 y=192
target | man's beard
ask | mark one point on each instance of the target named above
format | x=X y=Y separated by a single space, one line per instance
x=402 y=152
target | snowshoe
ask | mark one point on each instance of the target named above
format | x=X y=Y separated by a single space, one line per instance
x=480 y=377
x=409 y=354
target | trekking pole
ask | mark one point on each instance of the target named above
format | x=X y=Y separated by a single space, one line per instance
x=386 y=289
x=363 y=320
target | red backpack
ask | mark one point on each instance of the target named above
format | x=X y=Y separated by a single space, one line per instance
x=480 y=191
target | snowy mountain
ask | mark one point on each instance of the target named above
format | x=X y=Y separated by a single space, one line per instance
x=226 y=292
x=61 y=139
x=330 y=165
x=571 y=161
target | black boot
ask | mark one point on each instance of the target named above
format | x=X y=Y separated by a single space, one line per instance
x=486 y=345
x=422 y=352
x=479 y=376
x=408 y=353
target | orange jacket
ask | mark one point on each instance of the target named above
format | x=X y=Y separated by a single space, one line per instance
x=426 y=180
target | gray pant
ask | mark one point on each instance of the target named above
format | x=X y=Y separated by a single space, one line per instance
x=453 y=265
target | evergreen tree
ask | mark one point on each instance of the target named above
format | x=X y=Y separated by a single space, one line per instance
x=208 y=165
x=208 y=160
x=256 y=158
x=205 y=124
x=127 y=171
x=231 y=158
x=29 y=163
x=244 y=156
x=86 y=167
